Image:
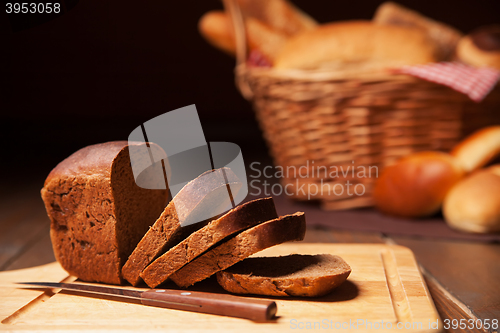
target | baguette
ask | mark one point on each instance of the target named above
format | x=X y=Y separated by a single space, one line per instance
x=264 y=39
x=481 y=48
x=98 y=214
x=280 y=15
x=445 y=36
x=473 y=204
x=293 y=275
x=416 y=185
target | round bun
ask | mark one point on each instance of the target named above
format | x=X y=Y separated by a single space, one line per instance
x=481 y=48
x=473 y=204
x=416 y=185
x=357 y=44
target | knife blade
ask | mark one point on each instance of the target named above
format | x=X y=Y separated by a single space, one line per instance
x=196 y=301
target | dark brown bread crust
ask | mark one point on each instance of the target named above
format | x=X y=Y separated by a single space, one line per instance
x=293 y=275
x=197 y=196
x=98 y=213
x=237 y=219
x=487 y=38
x=270 y=233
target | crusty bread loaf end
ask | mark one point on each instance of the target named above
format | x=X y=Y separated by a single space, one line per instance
x=98 y=214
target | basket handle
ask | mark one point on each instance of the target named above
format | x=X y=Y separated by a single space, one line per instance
x=233 y=9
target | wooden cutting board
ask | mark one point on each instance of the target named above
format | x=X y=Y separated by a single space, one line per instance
x=384 y=290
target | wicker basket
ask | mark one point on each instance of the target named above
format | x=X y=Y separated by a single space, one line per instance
x=320 y=126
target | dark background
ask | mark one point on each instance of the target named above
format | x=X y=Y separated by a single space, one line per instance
x=104 y=67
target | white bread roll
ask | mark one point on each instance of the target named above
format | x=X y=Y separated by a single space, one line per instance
x=473 y=204
x=445 y=36
x=356 y=43
x=478 y=149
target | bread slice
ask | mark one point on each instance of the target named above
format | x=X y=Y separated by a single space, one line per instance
x=206 y=195
x=292 y=275
x=280 y=15
x=98 y=214
x=216 y=27
x=237 y=219
x=283 y=229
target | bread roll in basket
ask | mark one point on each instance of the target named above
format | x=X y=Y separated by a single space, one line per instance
x=353 y=114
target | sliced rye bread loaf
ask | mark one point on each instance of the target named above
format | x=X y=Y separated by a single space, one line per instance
x=98 y=214
x=292 y=275
x=267 y=234
x=237 y=219
x=204 y=195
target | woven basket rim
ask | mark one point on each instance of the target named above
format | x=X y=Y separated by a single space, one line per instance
x=324 y=74
x=245 y=73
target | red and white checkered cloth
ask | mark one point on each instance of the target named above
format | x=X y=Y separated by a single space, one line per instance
x=257 y=59
x=473 y=82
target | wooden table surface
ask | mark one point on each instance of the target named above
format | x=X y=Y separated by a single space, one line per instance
x=463 y=277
